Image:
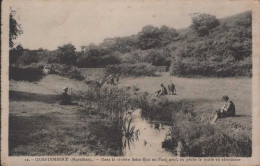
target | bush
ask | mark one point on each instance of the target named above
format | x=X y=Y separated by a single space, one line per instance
x=28 y=57
x=203 y=23
x=67 y=71
x=154 y=37
x=158 y=58
x=141 y=69
x=89 y=61
x=191 y=67
x=25 y=74
x=203 y=140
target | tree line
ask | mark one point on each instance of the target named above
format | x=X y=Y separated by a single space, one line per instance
x=209 y=43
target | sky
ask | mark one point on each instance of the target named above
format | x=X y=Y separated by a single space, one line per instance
x=48 y=24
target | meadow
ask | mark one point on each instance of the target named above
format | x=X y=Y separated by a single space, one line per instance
x=38 y=125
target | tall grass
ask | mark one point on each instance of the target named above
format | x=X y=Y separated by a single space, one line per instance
x=204 y=140
x=110 y=101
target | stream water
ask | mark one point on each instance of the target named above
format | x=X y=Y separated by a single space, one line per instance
x=148 y=138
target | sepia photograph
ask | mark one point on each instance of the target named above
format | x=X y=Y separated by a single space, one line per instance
x=130 y=78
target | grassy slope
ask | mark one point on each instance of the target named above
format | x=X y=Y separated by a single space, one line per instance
x=39 y=126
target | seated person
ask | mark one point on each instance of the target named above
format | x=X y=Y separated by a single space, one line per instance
x=162 y=91
x=117 y=79
x=112 y=81
x=172 y=89
x=228 y=109
x=65 y=98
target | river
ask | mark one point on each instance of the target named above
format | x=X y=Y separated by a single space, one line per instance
x=148 y=138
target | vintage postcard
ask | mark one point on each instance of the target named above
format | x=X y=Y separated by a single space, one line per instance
x=130 y=82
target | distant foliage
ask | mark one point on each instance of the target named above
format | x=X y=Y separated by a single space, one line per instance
x=203 y=23
x=153 y=37
x=210 y=47
x=15 y=53
x=191 y=68
x=158 y=58
x=25 y=74
x=89 y=61
x=226 y=51
x=28 y=57
x=246 y=22
x=142 y=69
x=120 y=44
x=66 y=54
x=67 y=71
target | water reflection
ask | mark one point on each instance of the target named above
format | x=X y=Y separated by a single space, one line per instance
x=143 y=138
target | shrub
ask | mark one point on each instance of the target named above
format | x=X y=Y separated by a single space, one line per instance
x=66 y=54
x=25 y=74
x=89 y=61
x=67 y=71
x=203 y=140
x=190 y=68
x=141 y=69
x=110 y=60
x=203 y=23
x=158 y=58
x=28 y=57
x=153 y=37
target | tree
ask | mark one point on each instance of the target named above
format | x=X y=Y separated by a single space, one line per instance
x=67 y=54
x=158 y=58
x=149 y=37
x=153 y=37
x=28 y=57
x=167 y=35
x=14 y=28
x=15 y=53
x=203 y=23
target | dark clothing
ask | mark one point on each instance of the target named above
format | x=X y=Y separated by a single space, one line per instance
x=172 y=89
x=164 y=91
x=227 y=110
x=220 y=114
x=112 y=81
x=65 y=99
x=161 y=92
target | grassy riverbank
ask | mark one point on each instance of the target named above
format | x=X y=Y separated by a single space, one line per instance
x=39 y=126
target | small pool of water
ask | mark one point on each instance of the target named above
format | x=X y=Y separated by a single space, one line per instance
x=148 y=138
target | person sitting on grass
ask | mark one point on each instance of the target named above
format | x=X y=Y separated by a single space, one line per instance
x=117 y=79
x=162 y=91
x=65 y=98
x=113 y=81
x=172 y=89
x=227 y=110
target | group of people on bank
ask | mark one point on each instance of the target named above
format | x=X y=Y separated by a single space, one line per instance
x=113 y=80
x=163 y=91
